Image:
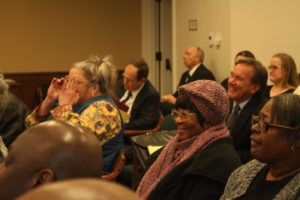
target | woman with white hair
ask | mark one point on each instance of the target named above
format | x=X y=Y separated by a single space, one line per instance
x=84 y=97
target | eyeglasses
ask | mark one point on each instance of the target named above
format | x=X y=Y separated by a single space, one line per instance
x=183 y=115
x=273 y=67
x=264 y=126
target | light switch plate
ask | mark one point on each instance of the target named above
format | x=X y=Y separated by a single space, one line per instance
x=193 y=24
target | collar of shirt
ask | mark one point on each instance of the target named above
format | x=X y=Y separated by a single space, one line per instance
x=130 y=101
x=192 y=71
x=242 y=105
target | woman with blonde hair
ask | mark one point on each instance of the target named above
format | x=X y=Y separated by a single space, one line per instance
x=283 y=74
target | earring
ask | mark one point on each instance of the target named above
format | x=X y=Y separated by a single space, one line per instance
x=93 y=94
x=292 y=148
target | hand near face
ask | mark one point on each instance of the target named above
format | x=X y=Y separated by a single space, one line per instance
x=69 y=94
x=55 y=88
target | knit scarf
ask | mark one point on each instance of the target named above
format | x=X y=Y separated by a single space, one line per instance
x=175 y=153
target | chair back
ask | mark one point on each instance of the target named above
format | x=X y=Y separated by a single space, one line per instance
x=139 y=132
x=119 y=164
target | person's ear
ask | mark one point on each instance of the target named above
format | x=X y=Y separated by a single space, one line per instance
x=143 y=80
x=206 y=125
x=254 y=88
x=95 y=88
x=44 y=176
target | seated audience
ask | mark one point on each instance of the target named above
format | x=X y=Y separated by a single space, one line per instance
x=47 y=152
x=140 y=96
x=84 y=98
x=193 y=60
x=78 y=189
x=13 y=113
x=240 y=55
x=275 y=145
x=283 y=74
x=196 y=163
x=246 y=83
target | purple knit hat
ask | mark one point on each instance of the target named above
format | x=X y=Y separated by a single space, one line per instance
x=209 y=97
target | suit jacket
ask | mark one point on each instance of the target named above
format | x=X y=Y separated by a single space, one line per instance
x=201 y=73
x=241 y=130
x=145 y=109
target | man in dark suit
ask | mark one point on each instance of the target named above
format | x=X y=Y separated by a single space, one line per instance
x=193 y=59
x=140 y=96
x=246 y=84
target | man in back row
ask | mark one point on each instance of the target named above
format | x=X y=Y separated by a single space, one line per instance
x=140 y=97
x=246 y=83
x=193 y=60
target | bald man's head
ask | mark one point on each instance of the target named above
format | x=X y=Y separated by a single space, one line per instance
x=77 y=189
x=49 y=151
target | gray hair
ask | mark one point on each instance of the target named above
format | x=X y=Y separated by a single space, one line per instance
x=3 y=94
x=286 y=111
x=100 y=71
x=200 y=53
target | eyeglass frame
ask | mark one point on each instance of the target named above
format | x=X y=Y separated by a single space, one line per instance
x=273 y=67
x=180 y=114
x=266 y=125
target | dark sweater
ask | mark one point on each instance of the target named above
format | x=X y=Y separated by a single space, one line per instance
x=203 y=176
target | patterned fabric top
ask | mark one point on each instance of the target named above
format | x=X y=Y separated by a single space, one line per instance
x=101 y=117
x=242 y=177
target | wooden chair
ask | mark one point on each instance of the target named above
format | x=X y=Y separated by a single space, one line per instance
x=139 y=132
x=120 y=162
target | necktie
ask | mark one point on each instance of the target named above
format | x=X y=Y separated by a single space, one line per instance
x=126 y=99
x=187 y=78
x=233 y=116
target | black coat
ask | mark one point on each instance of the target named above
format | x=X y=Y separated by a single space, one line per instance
x=201 y=73
x=12 y=122
x=241 y=130
x=203 y=176
x=145 y=109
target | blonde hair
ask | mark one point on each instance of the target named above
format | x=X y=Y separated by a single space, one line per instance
x=289 y=66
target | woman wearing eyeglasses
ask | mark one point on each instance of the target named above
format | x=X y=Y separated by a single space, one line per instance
x=283 y=75
x=84 y=97
x=196 y=163
x=275 y=145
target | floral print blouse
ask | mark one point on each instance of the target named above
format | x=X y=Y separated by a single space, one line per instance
x=101 y=117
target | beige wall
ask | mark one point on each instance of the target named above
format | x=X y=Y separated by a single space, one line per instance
x=50 y=35
x=264 y=27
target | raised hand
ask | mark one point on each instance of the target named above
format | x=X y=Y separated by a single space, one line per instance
x=55 y=88
x=69 y=94
x=52 y=96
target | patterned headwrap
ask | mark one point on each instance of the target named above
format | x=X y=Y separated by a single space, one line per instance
x=210 y=98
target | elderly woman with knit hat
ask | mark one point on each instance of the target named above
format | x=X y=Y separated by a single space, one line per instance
x=196 y=163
